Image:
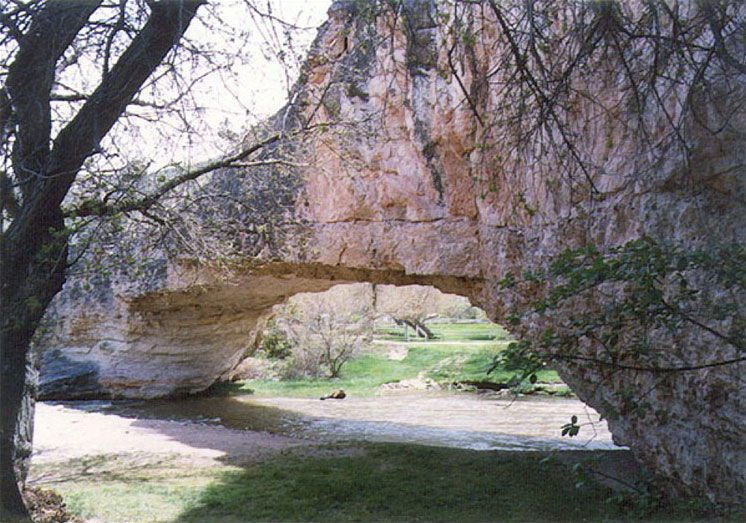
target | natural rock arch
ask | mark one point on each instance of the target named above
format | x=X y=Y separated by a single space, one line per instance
x=412 y=194
x=182 y=338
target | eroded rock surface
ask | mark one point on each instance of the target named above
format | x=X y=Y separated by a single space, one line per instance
x=427 y=188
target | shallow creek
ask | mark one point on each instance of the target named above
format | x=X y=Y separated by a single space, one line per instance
x=451 y=419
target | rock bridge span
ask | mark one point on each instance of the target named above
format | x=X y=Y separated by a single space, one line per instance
x=181 y=339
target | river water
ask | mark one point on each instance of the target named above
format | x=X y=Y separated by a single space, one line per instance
x=449 y=419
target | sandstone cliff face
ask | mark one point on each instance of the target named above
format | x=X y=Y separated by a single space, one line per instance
x=428 y=187
x=422 y=193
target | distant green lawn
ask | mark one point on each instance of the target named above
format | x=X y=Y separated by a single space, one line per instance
x=463 y=332
x=461 y=359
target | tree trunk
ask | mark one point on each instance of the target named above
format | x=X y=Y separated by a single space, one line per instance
x=17 y=432
x=30 y=276
x=419 y=328
x=13 y=394
x=423 y=331
x=33 y=249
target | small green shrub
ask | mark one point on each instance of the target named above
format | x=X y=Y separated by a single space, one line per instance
x=275 y=343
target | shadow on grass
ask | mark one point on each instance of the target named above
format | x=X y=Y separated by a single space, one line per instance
x=384 y=482
x=397 y=482
x=125 y=468
x=481 y=337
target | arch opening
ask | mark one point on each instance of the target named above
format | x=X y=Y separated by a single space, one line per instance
x=206 y=330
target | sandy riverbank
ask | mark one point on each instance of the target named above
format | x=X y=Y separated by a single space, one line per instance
x=63 y=433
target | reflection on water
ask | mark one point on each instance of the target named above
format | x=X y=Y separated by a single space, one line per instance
x=430 y=418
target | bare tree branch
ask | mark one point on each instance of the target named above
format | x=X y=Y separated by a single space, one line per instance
x=79 y=138
x=7 y=22
x=717 y=26
x=30 y=80
x=99 y=208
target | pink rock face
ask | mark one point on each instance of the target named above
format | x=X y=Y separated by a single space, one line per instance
x=418 y=180
x=432 y=186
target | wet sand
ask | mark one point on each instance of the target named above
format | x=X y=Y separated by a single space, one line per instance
x=241 y=428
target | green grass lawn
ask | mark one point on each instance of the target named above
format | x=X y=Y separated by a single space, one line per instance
x=378 y=482
x=402 y=483
x=455 y=358
x=364 y=374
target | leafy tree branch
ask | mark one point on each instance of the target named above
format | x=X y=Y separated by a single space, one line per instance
x=645 y=293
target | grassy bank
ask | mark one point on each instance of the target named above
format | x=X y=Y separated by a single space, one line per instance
x=402 y=483
x=461 y=353
x=369 y=482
